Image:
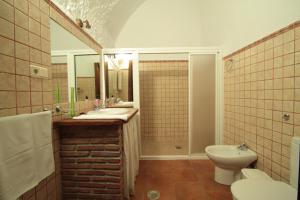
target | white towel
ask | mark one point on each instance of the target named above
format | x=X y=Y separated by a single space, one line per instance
x=26 y=155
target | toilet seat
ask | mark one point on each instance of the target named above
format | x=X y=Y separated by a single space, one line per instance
x=248 y=189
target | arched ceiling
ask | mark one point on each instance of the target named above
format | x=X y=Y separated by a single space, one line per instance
x=107 y=17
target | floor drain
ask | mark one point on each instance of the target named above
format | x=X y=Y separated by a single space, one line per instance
x=153 y=195
x=178 y=147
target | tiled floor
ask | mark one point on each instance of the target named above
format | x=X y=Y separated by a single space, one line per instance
x=152 y=146
x=180 y=180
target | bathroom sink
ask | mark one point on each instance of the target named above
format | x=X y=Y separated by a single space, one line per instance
x=109 y=111
x=230 y=157
x=106 y=113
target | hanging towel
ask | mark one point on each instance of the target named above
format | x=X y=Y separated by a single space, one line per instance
x=42 y=137
x=120 y=79
x=21 y=164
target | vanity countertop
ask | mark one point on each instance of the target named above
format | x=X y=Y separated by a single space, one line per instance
x=95 y=122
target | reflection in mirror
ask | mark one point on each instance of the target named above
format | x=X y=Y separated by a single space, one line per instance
x=118 y=76
x=67 y=50
x=59 y=68
x=87 y=70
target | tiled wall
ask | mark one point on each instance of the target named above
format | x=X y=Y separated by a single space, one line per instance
x=164 y=98
x=25 y=40
x=60 y=79
x=262 y=85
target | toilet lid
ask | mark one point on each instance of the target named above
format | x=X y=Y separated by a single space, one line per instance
x=248 y=189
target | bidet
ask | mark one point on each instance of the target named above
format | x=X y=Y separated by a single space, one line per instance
x=229 y=160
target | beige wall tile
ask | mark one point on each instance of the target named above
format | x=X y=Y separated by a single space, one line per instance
x=7 y=82
x=288 y=59
x=288 y=106
x=289 y=47
x=22 y=5
x=23 y=83
x=34 y=41
x=21 y=35
x=297 y=32
x=44 y=6
x=36 y=98
x=297 y=94
x=288 y=36
x=297 y=57
x=24 y=110
x=45 y=20
x=288 y=83
x=6 y=11
x=35 y=56
x=47 y=98
x=7 y=46
x=34 y=12
x=23 y=99
x=45 y=32
x=34 y=27
x=278 y=51
x=46 y=46
x=21 y=19
x=47 y=85
x=8 y=99
x=22 y=51
x=22 y=67
x=46 y=59
x=289 y=71
x=7 y=64
x=7 y=112
x=288 y=94
x=36 y=84
x=8 y=31
x=35 y=2
x=297 y=45
x=278 y=40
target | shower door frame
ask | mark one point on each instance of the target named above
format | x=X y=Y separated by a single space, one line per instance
x=218 y=99
x=218 y=90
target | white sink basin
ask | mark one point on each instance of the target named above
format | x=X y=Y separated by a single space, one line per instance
x=109 y=111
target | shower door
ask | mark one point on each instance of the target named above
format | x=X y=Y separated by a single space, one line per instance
x=202 y=101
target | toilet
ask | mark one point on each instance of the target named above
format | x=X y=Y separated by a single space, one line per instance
x=256 y=184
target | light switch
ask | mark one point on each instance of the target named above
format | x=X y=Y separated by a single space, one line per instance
x=39 y=72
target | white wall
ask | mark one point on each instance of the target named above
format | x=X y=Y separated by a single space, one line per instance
x=230 y=24
x=61 y=39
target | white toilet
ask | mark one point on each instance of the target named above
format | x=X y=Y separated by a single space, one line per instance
x=257 y=185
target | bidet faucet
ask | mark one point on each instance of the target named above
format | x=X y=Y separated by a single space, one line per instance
x=243 y=147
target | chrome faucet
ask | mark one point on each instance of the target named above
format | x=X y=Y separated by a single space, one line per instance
x=243 y=147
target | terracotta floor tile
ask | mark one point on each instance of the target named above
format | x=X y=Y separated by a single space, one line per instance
x=180 y=180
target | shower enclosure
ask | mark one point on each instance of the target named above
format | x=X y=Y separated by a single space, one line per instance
x=178 y=103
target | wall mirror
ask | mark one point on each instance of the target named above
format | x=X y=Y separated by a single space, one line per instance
x=118 y=73
x=74 y=65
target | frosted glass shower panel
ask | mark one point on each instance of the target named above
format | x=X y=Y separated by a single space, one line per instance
x=202 y=101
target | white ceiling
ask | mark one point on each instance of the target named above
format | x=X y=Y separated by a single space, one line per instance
x=107 y=17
